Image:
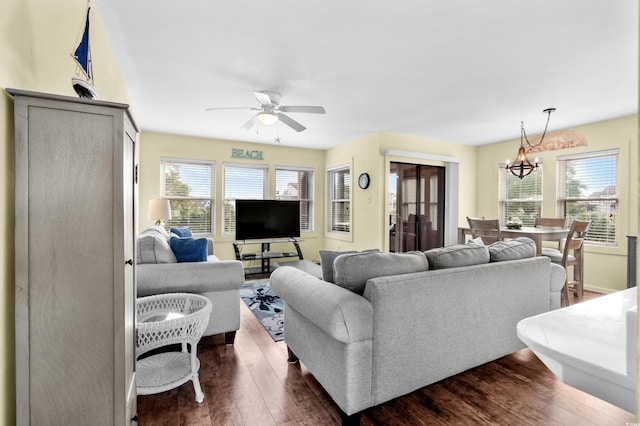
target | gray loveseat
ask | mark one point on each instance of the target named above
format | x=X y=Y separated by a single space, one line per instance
x=158 y=272
x=393 y=323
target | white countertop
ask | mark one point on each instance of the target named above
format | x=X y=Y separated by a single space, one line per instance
x=585 y=345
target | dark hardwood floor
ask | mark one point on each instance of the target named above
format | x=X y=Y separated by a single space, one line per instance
x=251 y=383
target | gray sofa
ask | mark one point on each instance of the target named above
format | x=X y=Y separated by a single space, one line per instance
x=158 y=272
x=376 y=333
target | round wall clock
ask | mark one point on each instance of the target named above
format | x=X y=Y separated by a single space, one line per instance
x=363 y=180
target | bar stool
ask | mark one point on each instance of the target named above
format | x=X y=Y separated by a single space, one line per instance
x=550 y=222
x=487 y=229
x=572 y=256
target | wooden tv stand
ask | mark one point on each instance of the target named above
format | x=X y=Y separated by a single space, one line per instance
x=265 y=254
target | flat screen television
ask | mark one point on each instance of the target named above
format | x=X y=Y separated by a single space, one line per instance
x=259 y=219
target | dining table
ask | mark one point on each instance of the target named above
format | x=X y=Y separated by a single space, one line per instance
x=536 y=233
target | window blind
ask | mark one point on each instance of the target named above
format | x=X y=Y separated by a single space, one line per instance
x=339 y=203
x=241 y=182
x=297 y=184
x=188 y=185
x=588 y=190
x=521 y=198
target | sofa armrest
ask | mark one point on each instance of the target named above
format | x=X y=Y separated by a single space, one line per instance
x=190 y=277
x=342 y=314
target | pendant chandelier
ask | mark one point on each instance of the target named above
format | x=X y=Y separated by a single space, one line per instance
x=521 y=166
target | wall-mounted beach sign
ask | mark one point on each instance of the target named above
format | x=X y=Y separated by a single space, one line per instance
x=246 y=153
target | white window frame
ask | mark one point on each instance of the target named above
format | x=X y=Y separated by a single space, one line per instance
x=507 y=178
x=332 y=227
x=306 y=204
x=604 y=233
x=175 y=221
x=229 y=201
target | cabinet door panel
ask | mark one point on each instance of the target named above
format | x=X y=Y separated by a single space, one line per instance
x=70 y=272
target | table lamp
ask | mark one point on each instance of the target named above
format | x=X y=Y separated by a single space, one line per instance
x=160 y=210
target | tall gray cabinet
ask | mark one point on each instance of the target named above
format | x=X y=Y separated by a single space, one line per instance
x=75 y=192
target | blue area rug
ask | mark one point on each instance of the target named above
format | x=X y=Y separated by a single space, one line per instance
x=266 y=306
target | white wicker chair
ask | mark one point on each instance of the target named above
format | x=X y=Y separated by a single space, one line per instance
x=163 y=320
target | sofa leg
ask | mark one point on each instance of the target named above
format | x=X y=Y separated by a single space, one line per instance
x=292 y=357
x=229 y=337
x=352 y=420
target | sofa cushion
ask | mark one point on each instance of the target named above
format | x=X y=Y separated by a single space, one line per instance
x=518 y=248
x=152 y=246
x=189 y=249
x=455 y=256
x=352 y=271
x=181 y=232
x=327 y=257
x=326 y=262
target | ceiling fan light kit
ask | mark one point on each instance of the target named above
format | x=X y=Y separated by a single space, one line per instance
x=267 y=118
x=269 y=111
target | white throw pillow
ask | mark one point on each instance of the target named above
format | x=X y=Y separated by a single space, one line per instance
x=153 y=246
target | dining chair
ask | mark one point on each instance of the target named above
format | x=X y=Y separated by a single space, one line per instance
x=487 y=229
x=572 y=255
x=550 y=222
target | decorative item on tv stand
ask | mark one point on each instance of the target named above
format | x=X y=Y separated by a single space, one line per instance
x=521 y=166
x=266 y=222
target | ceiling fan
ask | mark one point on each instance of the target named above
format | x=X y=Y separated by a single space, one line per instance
x=270 y=111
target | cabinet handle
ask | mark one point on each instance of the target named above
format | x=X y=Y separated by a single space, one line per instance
x=129 y=262
x=134 y=419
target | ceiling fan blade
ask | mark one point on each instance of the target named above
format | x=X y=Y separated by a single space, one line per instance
x=291 y=122
x=249 y=124
x=217 y=109
x=263 y=98
x=299 y=108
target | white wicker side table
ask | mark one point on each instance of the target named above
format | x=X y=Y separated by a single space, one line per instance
x=163 y=320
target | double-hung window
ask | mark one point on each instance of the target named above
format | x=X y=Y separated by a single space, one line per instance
x=339 y=199
x=241 y=182
x=297 y=184
x=190 y=187
x=588 y=190
x=520 y=198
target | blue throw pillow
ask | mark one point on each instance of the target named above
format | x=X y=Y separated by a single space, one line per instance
x=181 y=232
x=189 y=249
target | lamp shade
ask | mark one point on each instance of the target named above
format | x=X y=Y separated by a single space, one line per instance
x=159 y=209
x=267 y=118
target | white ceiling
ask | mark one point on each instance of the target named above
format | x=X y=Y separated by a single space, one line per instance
x=464 y=71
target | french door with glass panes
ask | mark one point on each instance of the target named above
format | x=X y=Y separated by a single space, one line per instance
x=416 y=207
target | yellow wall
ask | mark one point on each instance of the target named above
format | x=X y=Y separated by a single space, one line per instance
x=154 y=146
x=605 y=268
x=36 y=37
x=369 y=212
